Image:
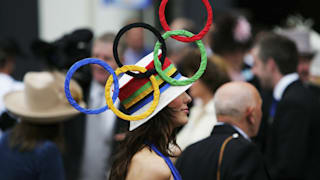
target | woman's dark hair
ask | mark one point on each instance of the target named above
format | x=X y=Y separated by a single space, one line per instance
x=26 y=136
x=159 y=131
x=214 y=76
x=223 y=39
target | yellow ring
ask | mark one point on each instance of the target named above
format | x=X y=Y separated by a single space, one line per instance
x=156 y=94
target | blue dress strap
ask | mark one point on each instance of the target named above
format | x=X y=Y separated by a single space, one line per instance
x=174 y=171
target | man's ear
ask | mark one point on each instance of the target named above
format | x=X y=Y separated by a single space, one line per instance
x=271 y=64
x=249 y=115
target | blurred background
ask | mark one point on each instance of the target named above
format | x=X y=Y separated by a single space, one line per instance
x=37 y=35
x=49 y=21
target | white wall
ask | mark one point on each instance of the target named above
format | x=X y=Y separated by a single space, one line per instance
x=60 y=16
x=110 y=18
x=57 y=17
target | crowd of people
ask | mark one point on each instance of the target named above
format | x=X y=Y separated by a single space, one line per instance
x=251 y=115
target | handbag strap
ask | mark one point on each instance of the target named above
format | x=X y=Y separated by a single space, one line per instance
x=226 y=141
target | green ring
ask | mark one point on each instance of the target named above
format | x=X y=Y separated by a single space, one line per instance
x=158 y=65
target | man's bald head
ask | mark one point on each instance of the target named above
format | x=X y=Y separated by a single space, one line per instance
x=239 y=103
x=233 y=98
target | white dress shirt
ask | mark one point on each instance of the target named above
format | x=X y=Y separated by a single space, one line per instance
x=7 y=84
x=282 y=85
x=98 y=136
x=240 y=131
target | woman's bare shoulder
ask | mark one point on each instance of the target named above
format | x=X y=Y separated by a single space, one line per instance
x=146 y=164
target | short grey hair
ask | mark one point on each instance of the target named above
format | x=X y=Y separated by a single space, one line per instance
x=233 y=103
x=109 y=37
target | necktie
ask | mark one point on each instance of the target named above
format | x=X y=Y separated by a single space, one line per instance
x=272 y=110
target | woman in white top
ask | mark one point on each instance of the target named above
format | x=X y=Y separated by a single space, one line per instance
x=202 y=115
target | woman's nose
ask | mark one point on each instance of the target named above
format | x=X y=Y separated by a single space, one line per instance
x=188 y=99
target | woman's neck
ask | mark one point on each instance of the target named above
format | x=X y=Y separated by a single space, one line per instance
x=205 y=98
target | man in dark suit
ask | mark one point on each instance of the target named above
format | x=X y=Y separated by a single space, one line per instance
x=292 y=111
x=314 y=76
x=314 y=86
x=228 y=153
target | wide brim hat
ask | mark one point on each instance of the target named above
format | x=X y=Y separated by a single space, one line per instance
x=136 y=98
x=315 y=65
x=302 y=39
x=43 y=101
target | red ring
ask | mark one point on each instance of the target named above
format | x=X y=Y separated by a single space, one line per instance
x=199 y=36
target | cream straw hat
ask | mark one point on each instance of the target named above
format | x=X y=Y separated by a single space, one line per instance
x=43 y=99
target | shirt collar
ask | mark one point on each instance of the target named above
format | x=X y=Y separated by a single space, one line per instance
x=284 y=82
x=237 y=129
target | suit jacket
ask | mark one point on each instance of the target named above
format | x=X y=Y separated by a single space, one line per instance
x=289 y=145
x=314 y=155
x=242 y=159
x=261 y=138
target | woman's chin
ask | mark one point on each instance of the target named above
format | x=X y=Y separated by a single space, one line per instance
x=181 y=122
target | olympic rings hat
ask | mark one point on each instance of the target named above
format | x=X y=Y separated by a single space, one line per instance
x=76 y=66
x=199 y=36
x=158 y=82
x=136 y=94
x=145 y=26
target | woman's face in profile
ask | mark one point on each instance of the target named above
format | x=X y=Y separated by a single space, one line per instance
x=180 y=108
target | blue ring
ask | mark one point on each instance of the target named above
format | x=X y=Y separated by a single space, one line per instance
x=76 y=66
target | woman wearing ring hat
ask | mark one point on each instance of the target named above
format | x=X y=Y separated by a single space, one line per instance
x=145 y=151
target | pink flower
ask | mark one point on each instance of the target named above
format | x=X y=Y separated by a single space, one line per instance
x=242 y=32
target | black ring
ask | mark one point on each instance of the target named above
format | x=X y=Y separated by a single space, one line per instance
x=155 y=32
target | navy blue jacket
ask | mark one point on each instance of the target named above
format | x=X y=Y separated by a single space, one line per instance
x=43 y=163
